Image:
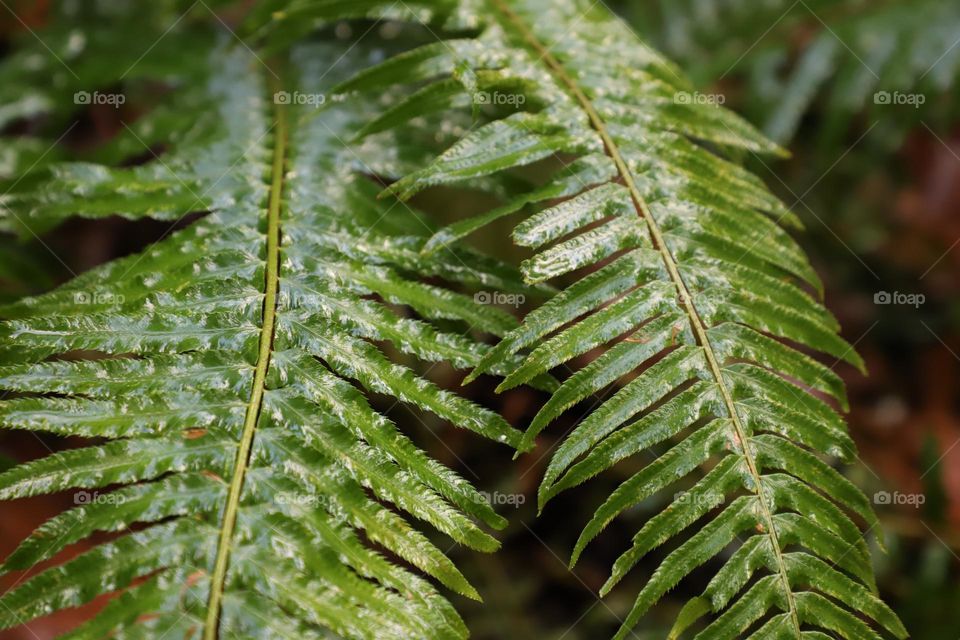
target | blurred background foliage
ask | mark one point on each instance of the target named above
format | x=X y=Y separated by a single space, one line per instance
x=877 y=182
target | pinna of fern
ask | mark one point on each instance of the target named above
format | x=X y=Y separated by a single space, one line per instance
x=682 y=268
x=225 y=375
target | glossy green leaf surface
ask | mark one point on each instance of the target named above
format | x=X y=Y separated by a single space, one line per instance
x=675 y=264
x=226 y=376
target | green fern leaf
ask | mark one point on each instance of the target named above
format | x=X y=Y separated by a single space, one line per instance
x=681 y=268
x=226 y=375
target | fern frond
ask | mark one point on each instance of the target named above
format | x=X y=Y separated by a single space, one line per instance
x=226 y=375
x=682 y=270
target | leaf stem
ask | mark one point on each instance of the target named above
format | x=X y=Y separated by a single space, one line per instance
x=686 y=299
x=255 y=404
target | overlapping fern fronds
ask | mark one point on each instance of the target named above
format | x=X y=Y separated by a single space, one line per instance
x=683 y=272
x=226 y=372
x=224 y=376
